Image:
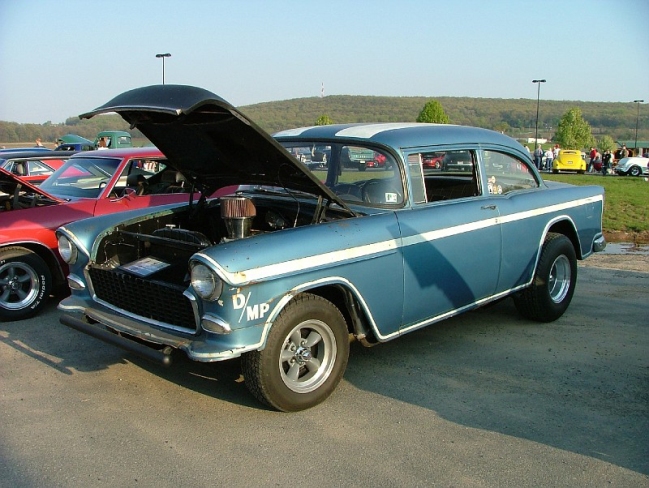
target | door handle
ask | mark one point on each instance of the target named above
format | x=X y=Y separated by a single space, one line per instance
x=488 y=207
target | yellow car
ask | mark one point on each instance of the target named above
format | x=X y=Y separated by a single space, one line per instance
x=569 y=160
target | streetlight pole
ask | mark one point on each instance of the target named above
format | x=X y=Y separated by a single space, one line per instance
x=538 y=99
x=163 y=56
x=635 y=144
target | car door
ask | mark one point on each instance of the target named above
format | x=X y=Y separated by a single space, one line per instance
x=513 y=184
x=451 y=245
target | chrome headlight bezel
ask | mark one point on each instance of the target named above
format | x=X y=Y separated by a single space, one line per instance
x=205 y=282
x=67 y=250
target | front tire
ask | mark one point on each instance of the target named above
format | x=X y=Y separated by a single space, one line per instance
x=550 y=293
x=25 y=283
x=305 y=356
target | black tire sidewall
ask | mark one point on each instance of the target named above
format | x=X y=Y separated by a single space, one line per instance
x=535 y=302
x=267 y=379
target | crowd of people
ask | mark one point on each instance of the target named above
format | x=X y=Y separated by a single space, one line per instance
x=596 y=161
x=543 y=159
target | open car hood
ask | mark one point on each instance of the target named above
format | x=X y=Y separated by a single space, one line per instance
x=210 y=141
x=10 y=184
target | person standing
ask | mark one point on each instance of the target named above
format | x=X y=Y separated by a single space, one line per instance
x=624 y=152
x=549 y=157
x=606 y=162
x=591 y=159
x=538 y=157
x=38 y=142
x=555 y=151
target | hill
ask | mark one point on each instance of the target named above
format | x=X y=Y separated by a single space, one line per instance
x=516 y=117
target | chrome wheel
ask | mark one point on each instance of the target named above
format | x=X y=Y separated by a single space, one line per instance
x=304 y=358
x=553 y=285
x=18 y=285
x=308 y=356
x=559 y=279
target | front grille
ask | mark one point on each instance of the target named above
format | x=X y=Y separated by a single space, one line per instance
x=154 y=300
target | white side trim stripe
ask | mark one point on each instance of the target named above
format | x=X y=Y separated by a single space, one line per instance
x=244 y=277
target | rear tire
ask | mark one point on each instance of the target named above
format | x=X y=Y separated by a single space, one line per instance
x=635 y=171
x=305 y=356
x=25 y=283
x=550 y=293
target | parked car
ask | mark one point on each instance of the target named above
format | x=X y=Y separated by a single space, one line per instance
x=34 y=166
x=75 y=146
x=73 y=142
x=89 y=183
x=569 y=160
x=461 y=160
x=432 y=160
x=115 y=139
x=632 y=166
x=7 y=151
x=286 y=269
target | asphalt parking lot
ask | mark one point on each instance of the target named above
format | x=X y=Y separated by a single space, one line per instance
x=485 y=399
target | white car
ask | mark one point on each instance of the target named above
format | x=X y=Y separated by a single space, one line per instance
x=634 y=166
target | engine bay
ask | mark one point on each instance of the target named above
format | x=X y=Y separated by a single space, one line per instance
x=159 y=248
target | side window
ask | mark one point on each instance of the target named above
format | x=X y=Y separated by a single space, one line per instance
x=150 y=177
x=38 y=168
x=506 y=173
x=449 y=175
x=357 y=174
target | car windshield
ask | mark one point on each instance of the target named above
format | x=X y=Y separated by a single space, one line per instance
x=81 y=177
x=357 y=174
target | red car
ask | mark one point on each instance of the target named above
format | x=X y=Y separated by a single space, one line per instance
x=90 y=183
x=432 y=160
x=34 y=166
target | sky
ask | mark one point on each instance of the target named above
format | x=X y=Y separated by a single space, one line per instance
x=61 y=58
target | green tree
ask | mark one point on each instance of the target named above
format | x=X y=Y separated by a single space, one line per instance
x=606 y=143
x=324 y=120
x=433 y=112
x=573 y=132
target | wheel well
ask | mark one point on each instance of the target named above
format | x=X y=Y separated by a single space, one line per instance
x=566 y=228
x=346 y=302
x=58 y=277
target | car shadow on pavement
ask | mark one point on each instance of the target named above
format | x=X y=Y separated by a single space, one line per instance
x=60 y=348
x=559 y=384
x=67 y=351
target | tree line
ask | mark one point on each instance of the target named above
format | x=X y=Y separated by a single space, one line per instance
x=515 y=117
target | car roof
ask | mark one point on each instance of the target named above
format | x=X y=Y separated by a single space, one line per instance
x=401 y=135
x=30 y=154
x=125 y=152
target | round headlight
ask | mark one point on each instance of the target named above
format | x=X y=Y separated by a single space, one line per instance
x=67 y=250
x=205 y=282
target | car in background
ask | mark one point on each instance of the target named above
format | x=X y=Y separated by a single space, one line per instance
x=34 y=165
x=569 y=160
x=115 y=139
x=75 y=146
x=73 y=142
x=286 y=269
x=432 y=160
x=632 y=166
x=457 y=161
x=89 y=183
x=13 y=150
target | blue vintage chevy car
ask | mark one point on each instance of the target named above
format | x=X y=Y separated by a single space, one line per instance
x=294 y=259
